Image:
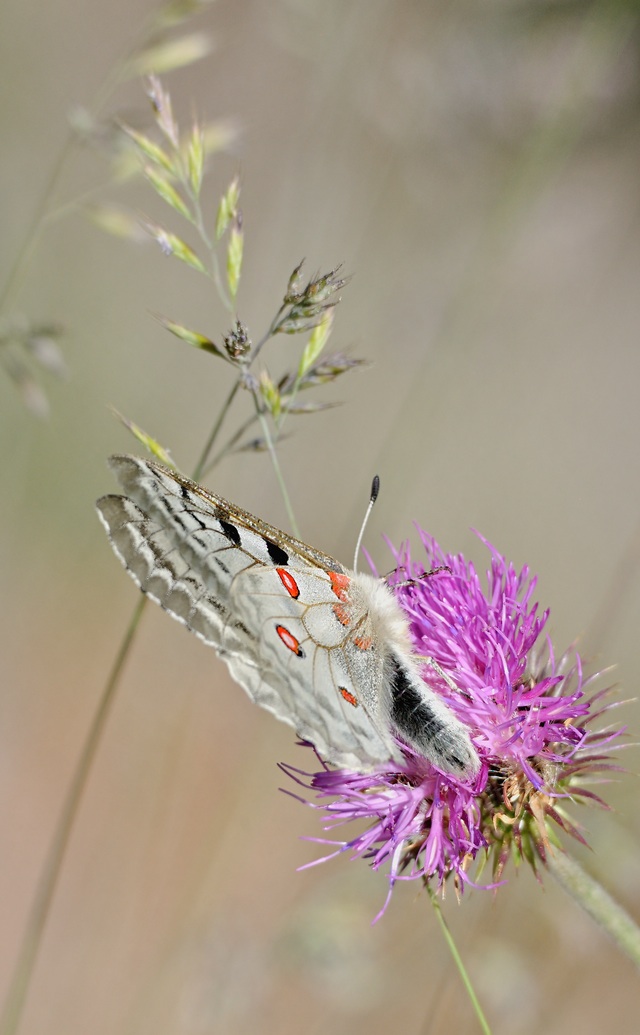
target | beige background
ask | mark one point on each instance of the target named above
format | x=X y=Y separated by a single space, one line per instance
x=475 y=165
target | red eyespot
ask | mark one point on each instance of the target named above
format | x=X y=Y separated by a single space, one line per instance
x=363 y=642
x=339 y=584
x=349 y=697
x=289 y=583
x=289 y=641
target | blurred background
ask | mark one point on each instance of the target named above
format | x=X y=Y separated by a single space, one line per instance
x=475 y=166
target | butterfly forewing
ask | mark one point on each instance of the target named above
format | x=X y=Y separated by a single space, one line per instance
x=268 y=603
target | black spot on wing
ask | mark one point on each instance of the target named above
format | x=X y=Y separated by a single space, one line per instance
x=276 y=553
x=230 y=531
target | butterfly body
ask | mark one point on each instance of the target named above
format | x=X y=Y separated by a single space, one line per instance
x=324 y=649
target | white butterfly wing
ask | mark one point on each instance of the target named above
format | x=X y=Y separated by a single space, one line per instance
x=268 y=603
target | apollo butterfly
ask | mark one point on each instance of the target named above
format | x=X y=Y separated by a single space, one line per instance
x=325 y=649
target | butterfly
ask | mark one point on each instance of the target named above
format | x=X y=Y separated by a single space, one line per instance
x=325 y=649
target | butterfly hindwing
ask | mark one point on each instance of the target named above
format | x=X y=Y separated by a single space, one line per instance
x=319 y=677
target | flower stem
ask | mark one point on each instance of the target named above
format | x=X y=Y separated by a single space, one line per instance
x=230 y=443
x=277 y=469
x=466 y=980
x=597 y=902
x=204 y=456
x=37 y=919
x=32 y=938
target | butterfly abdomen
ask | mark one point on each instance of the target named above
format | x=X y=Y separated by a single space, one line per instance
x=426 y=724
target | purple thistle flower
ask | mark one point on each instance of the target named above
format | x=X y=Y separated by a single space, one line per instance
x=529 y=715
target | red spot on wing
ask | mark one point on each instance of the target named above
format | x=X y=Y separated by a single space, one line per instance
x=342 y=614
x=289 y=640
x=348 y=696
x=339 y=584
x=363 y=642
x=289 y=583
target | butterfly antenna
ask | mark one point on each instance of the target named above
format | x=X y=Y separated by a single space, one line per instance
x=375 y=489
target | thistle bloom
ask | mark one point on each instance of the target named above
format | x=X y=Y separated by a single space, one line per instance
x=529 y=715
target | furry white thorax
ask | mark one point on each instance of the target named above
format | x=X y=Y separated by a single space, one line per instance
x=386 y=621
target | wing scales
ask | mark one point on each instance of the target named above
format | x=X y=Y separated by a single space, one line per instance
x=143 y=479
x=210 y=565
x=155 y=561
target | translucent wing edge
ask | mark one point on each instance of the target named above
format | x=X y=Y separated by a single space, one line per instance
x=127 y=467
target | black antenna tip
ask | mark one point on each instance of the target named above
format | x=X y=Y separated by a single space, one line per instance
x=375 y=488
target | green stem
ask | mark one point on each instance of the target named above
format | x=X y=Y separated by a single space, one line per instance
x=210 y=245
x=14 y=1003
x=37 y=919
x=466 y=980
x=597 y=902
x=204 y=456
x=76 y=204
x=230 y=443
x=269 y=334
x=32 y=937
x=278 y=470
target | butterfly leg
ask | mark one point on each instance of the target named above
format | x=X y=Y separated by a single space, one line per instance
x=412 y=582
x=428 y=660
